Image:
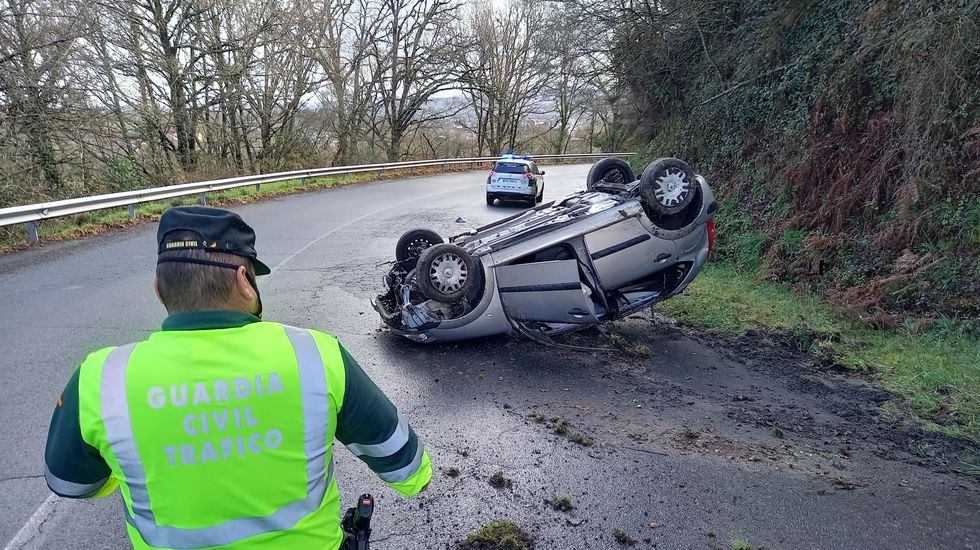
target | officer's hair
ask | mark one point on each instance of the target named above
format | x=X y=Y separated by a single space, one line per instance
x=195 y=287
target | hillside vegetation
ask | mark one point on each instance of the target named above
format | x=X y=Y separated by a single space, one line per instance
x=841 y=136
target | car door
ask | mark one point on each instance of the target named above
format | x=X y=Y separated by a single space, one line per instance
x=538 y=175
x=627 y=252
x=549 y=291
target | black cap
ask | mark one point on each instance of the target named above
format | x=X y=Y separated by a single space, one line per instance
x=220 y=230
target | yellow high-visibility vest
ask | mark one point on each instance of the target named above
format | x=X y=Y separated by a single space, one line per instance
x=217 y=457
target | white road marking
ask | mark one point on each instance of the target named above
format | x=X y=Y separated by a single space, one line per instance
x=312 y=243
x=33 y=526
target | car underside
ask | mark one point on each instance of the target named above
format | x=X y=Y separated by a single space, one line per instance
x=593 y=256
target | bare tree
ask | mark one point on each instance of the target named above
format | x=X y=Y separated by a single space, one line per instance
x=504 y=69
x=416 y=55
x=36 y=41
x=282 y=76
x=569 y=86
x=342 y=44
x=161 y=43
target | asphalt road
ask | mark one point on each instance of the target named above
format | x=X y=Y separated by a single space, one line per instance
x=700 y=442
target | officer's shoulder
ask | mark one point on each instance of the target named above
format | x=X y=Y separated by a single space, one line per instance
x=323 y=337
x=320 y=336
x=99 y=355
x=95 y=360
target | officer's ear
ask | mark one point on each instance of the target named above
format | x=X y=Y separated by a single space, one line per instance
x=156 y=289
x=245 y=287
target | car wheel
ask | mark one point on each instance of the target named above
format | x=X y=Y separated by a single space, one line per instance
x=668 y=186
x=411 y=245
x=490 y=199
x=540 y=197
x=446 y=273
x=610 y=170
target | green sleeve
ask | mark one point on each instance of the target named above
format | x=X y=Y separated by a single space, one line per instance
x=370 y=426
x=72 y=467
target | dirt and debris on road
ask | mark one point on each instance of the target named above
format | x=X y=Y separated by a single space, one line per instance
x=708 y=439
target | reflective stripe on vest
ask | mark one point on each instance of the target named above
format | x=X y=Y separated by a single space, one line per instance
x=387 y=447
x=119 y=434
x=70 y=488
x=401 y=474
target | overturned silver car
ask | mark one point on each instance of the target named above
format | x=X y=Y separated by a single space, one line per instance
x=621 y=245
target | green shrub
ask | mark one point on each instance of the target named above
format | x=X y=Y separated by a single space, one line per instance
x=123 y=174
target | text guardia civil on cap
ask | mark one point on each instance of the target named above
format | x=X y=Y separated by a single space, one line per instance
x=219 y=230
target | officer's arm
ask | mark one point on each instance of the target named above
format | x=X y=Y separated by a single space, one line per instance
x=72 y=467
x=370 y=426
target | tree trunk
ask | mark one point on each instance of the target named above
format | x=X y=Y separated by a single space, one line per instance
x=395 y=145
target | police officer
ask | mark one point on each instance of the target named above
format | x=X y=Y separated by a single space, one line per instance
x=219 y=428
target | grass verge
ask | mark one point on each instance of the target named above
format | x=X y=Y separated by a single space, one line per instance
x=932 y=366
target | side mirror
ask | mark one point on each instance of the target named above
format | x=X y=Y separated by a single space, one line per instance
x=542 y=172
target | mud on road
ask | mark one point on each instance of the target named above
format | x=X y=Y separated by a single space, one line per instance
x=679 y=439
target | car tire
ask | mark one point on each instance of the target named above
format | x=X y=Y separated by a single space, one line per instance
x=540 y=198
x=411 y=245
x=609 y=169
x=668 y=186
x=490 y=199
x=446 y=273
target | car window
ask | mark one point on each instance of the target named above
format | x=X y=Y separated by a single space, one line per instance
x=534 y=168
x=510 y=167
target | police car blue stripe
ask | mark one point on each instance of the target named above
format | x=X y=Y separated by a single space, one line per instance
x=119 y=432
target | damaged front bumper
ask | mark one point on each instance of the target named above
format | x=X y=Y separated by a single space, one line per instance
x=428 y=321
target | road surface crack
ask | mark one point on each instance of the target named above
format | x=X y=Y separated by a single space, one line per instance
x=16 y=478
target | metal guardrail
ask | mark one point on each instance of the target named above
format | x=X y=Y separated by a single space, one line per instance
x=30 y=214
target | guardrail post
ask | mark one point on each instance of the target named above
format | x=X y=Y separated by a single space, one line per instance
x=32 y=231
x=132 y=211
x=302 y=182
x=201 y=199
x=258 y=187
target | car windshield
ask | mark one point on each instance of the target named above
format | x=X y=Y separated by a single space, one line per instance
x=510 y=167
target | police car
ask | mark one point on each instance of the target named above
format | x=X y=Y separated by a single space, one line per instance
x=515 y=178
